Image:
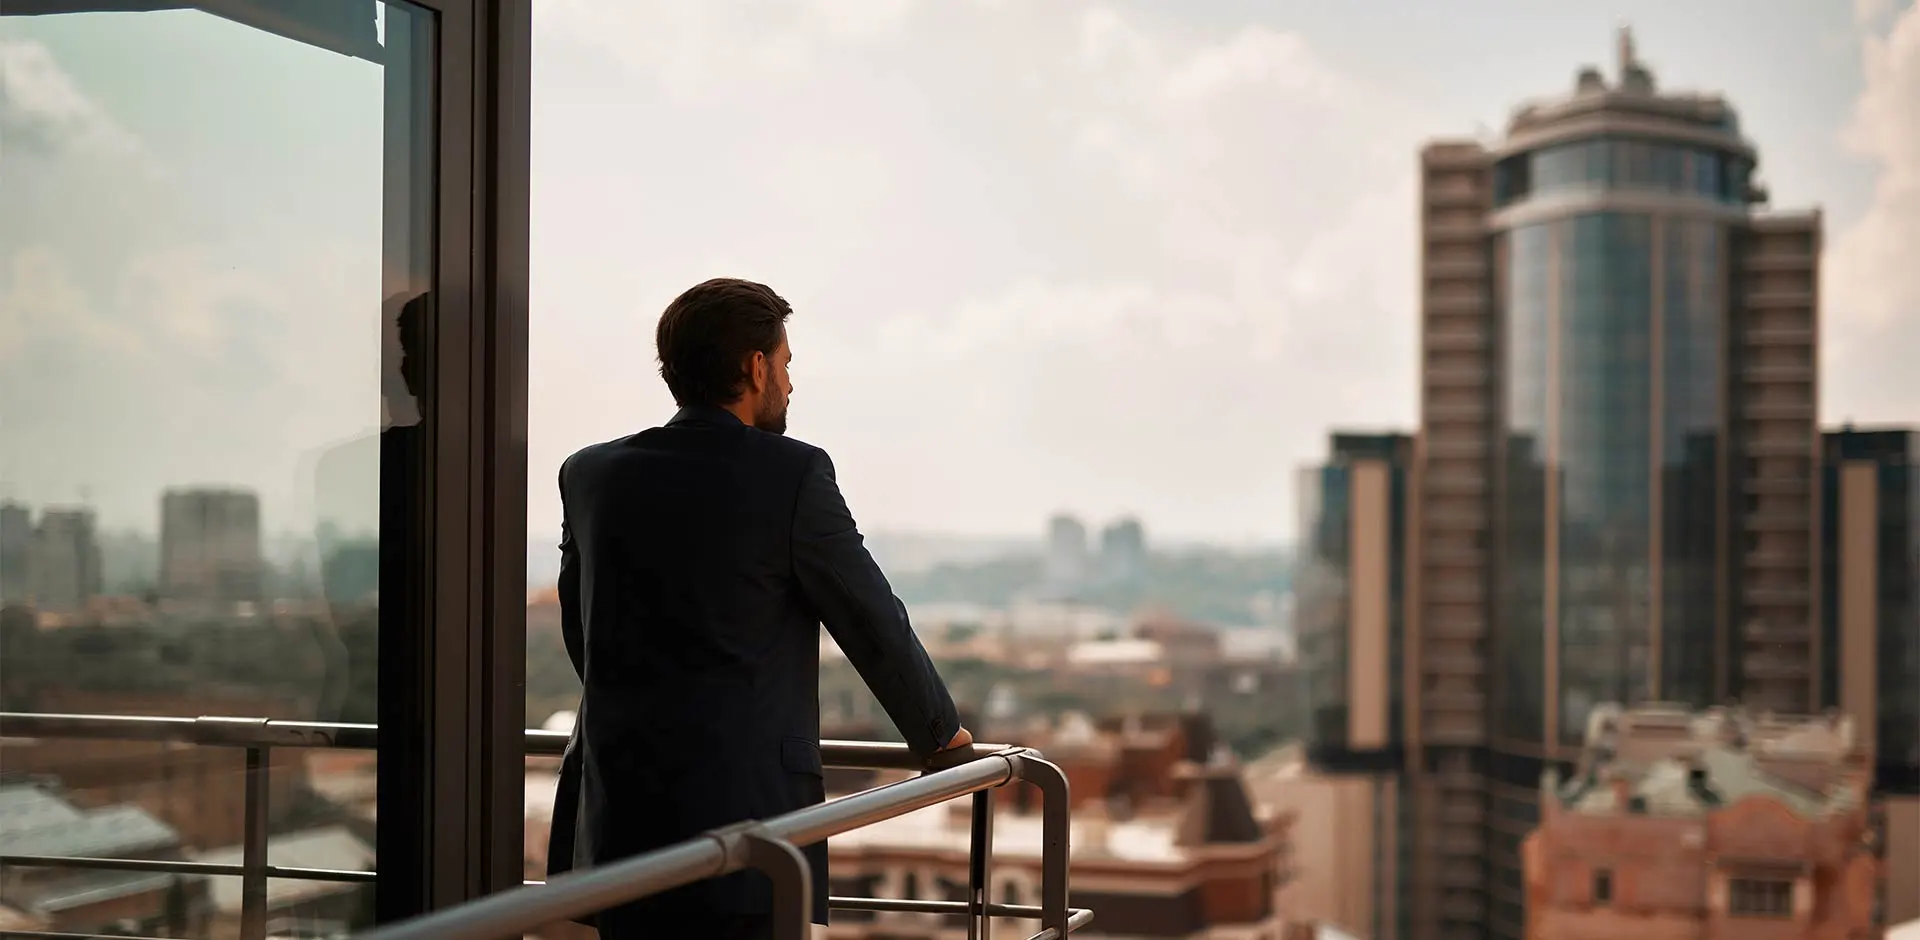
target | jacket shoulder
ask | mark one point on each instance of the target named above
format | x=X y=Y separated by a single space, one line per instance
x=586 y=455
x=792 y=453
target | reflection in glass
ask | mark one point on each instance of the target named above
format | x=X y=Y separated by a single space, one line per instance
x=211 y=231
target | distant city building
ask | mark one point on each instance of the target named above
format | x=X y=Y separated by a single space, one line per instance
x=64 y=563
x=210 y=546
x=1066 y=560
x=1720 y=824
x=1074 y=567
x=1611 y=496
x=1869 y=664
x=16 y=553
x=1123 y=552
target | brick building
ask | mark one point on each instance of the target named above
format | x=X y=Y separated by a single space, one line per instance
x=1166 y=841
x=1713 y=825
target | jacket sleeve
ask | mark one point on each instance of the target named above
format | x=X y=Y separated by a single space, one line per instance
x=569 y=589
x=852 y=597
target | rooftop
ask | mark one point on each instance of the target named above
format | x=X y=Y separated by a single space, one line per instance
x=35 y=821
x=1634 y=94
x=1662 y=760
x=1144 y=840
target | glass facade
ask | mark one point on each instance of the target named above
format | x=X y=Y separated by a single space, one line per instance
x=1603 y=438
x=1626 y=164
x=1692 y=348
x=1521 y=623
x=1613 y=422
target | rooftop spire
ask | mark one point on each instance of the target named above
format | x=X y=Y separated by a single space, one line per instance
x=1628 y=61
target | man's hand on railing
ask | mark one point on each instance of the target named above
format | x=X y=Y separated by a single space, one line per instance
x=959 y=750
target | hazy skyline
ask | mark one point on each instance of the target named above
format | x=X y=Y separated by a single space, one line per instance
x=1103 y=258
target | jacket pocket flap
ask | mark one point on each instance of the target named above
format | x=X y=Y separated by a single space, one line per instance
x=801 y=756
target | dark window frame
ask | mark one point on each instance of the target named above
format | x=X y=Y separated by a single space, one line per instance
x=453 y=649
x=1760 y=898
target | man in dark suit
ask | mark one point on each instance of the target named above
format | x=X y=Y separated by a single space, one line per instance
x=698 y=561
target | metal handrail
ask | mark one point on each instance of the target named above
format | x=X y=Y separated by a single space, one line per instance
x=769 y=845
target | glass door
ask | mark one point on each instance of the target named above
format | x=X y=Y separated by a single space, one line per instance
x=260 y=309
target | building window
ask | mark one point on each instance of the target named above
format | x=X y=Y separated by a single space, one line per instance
x=1760 y=897
x=1603 y=886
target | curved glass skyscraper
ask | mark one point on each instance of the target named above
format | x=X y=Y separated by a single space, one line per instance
x=1613 y=222
x=1612 y=492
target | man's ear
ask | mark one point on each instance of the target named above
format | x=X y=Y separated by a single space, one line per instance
x=758 y=375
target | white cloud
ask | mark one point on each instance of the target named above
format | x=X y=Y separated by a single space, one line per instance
x=695 y=50
x=191 y=363
x=42 y=110
x=1873 y=301
x=1042 y=256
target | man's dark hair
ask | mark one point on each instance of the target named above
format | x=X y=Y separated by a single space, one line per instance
x=707 y=333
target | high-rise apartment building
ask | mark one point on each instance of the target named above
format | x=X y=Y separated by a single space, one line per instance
x=1611 y=496
x=16 y=553
x=1123 y=552
x=64 y=564
x=1067 y=556
x=1870 y=628
x=210 y=550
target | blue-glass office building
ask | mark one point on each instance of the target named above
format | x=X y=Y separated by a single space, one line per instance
x=1613 y=491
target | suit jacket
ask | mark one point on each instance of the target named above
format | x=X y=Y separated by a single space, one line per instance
x=698 y=561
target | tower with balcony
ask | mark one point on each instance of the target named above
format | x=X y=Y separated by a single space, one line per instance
x=1612 y=492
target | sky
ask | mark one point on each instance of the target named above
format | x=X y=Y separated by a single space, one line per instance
x=1104 y=257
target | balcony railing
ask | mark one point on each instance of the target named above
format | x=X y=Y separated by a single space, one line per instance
x=772 y=845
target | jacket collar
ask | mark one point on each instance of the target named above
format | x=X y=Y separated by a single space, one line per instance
x=709 y=415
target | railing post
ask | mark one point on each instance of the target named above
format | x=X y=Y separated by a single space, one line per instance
x=792 y=881
x=253 y=846
x=1056 y=840
x=980 y=868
